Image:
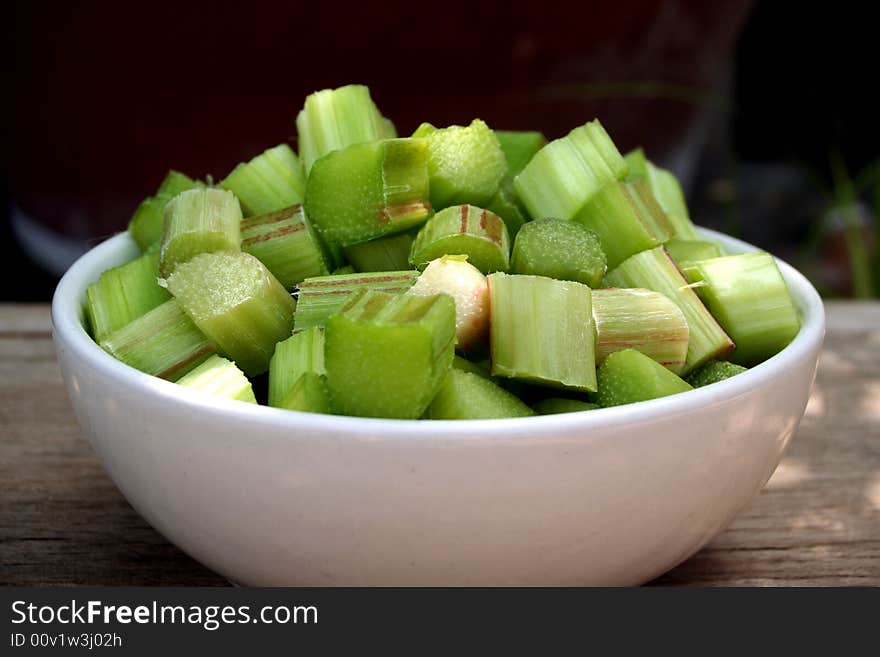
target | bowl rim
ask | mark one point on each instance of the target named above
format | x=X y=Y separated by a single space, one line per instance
x=70 y=334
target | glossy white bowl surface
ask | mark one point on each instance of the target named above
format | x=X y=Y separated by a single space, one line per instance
x=272 y=497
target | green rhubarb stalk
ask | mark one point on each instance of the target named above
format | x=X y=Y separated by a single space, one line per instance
x=562 y=176
x=146 y=225
x=221 y=378
x=386 y=355
x=271 y=181
x=308 y=394
x=123 y=294
x=561 y=249
x=667 y=190
x=466 y=365
x=643 y=320
x=383 y=254
x=519 y=147
x=555 y=405
x=465 y=165
x=320 y=297
x=655 y=270
x=237 y=303
x=713 y=372
x=199 y=221
x=464 y=230
x=333 y=119
x=627 y=219
x=300 y=353
x=506 y=206
x=748 y=296
x=370 y=190
x=628 y=376
x=389 y=130
x=163 y=342
x=685 y=251
x=468 y=396
x=541 y=330
x=286 y=243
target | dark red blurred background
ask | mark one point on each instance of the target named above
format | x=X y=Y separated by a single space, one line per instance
x=105 y=97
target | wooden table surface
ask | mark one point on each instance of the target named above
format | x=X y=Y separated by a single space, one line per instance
x=817 y=522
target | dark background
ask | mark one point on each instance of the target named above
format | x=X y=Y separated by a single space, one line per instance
x=765 y=110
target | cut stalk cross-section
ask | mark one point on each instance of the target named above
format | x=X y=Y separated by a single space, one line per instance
x=464 y=230
x=238 y=303
x=558 y=248
x=199 y=221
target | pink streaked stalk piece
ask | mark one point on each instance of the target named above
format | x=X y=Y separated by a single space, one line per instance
x=320 y=297
x=632 y=318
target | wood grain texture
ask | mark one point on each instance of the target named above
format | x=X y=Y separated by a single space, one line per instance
x=817 y=522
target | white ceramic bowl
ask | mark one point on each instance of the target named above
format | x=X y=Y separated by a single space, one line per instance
x=271 y=497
